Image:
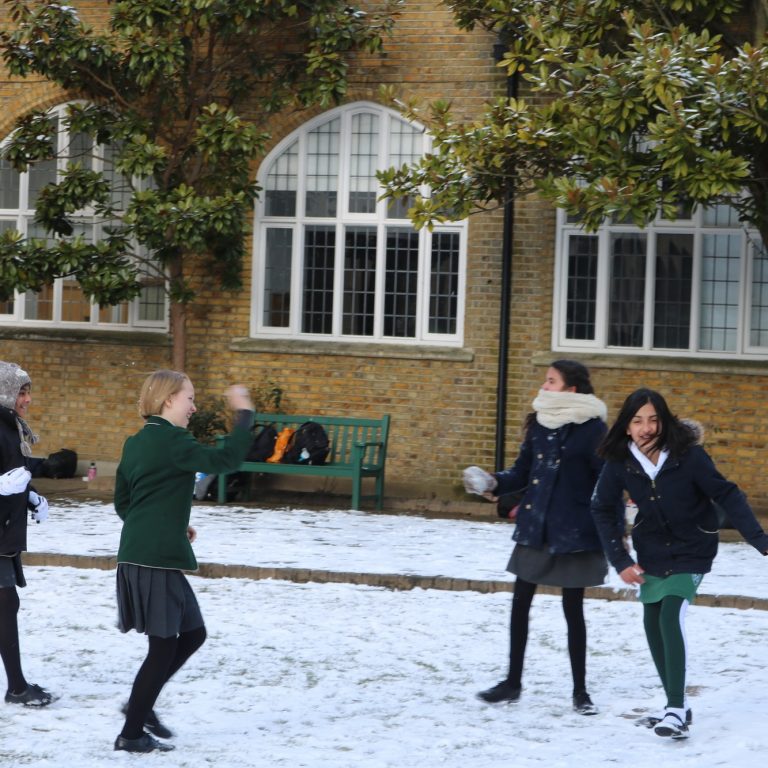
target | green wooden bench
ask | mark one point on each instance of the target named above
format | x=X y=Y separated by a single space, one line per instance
x=358 y=449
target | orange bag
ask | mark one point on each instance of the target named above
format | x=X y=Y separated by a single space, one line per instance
x=281 y=444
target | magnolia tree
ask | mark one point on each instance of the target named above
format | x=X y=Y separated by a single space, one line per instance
x=628 y=107
x=181 y=91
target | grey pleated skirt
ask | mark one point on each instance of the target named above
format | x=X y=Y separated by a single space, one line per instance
x=11 y=572
x=571 y=569
x=155 y=601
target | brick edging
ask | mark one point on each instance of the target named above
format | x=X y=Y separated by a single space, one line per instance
x=387 y=580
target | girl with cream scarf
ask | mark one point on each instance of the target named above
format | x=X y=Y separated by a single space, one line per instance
x=556 y=540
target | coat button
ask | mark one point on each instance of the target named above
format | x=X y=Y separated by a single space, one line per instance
x=527 y=506
x=540 y=456
x=535 y=480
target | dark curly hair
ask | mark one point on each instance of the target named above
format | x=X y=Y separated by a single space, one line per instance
x=673 y=434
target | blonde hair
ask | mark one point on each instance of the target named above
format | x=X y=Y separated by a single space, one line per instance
x=157 y=388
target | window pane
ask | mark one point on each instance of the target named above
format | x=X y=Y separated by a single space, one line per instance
x=581 y=298
x=627 y=290
x=81 y=150
x=9 y=186
x=720 y=278
x=364 y=154
x=672 y=305
x=319 y=262
x=444 y=282
x=323 y=169
x=40 y=174
x=7 y=307
x=277 y=278
x=117 y=315
x=152 y=299
x=758 y=331
x=359 y=281
x=720 y=216
x=39 y=306
x=280 y=189
x=75 y=307
x=405 y=148
x=401 y=282
x=120 y=184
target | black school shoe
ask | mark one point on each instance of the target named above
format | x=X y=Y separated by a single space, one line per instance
x=145 y=743
x=501 y=693
x=152 y=724
x=32 y=696
x=583 y=704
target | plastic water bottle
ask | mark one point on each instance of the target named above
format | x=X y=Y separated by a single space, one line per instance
x=92 y=471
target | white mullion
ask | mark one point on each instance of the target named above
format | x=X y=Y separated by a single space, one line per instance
x=603 y=287
x=650 y=284
x=744 y=326
x=560 y=294
x=694 y=338
x=338 y=277
x=380 y=280
x=297 y=270
x=461 y=286
x=749 y=250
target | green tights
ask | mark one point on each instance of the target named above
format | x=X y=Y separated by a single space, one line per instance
x=664 y=623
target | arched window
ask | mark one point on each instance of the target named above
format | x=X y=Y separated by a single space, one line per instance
x=331 y=260
x=63 y=302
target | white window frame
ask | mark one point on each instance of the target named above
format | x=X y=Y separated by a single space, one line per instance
x=343 y=219
x=22 y=217
x=693 y=226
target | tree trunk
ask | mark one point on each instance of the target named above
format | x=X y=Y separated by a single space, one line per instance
x=178 y=336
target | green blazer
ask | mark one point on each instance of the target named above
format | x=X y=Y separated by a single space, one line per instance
x=154 y=485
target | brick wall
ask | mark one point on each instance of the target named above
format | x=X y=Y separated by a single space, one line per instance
x=86 y=385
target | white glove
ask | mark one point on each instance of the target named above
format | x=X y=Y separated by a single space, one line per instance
x=39 y=506
x=14 y=481
x=478 y=481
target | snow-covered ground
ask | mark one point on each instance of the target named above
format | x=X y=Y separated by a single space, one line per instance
x=343 y=676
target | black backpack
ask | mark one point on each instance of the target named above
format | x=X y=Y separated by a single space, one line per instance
x=62 y=463
x=308 y=445
x=263 y=445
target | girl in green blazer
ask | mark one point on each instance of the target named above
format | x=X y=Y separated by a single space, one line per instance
x=153 y=497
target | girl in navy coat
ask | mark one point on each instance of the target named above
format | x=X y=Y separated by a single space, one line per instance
x=656 y=459
x=557 y=543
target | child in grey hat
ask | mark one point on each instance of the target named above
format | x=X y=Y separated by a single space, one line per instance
x=17 y=499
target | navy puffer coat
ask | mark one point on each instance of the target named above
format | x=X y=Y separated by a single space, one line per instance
x=676 y=528
x=13 y=509
x=558 y=469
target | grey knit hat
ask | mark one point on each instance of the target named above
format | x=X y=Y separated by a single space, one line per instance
x=12 y=379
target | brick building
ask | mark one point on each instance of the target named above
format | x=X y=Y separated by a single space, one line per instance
x=422 y=344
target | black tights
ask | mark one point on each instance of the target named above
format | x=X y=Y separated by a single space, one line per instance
x=9 y=639
x=573 y=608
x=165 y=657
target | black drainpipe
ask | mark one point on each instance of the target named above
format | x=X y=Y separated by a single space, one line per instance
x=506 y=289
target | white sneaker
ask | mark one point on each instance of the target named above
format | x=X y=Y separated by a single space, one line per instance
x=651 y=721
x=672 y=726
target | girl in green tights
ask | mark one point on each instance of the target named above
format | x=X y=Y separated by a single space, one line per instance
x=656 y=458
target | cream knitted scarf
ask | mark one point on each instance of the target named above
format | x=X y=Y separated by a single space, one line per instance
x=555 y=409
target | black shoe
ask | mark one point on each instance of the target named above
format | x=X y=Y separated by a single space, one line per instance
x=33 y=696
x=672 y=726
x=145 y=743
x=583 y=704
x=504 y=691
x=651 y=721
x=152 y=724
